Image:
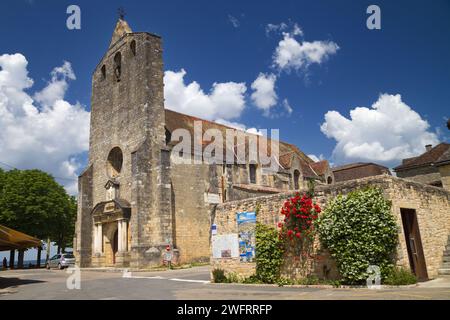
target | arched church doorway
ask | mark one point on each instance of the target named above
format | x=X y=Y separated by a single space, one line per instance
x=111 y=224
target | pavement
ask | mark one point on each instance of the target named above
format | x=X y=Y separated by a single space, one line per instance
x=186 y=284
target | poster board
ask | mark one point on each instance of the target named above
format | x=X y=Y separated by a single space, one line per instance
x=247 y=235
x=225 y=246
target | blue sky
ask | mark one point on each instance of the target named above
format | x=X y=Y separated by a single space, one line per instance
x=228 y=42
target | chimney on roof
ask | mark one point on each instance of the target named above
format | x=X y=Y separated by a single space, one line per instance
x=428 y=147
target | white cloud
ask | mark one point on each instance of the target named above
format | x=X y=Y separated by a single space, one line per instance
x=387 y=132
x=234 y=21
x=224 y=101
x=296 y=30
x=238 y=126
x=287 y=106
x=46 y=132
x=264 y=96
x=57 y=87
x=275 y=27
x=295 y=54
x=316 y=158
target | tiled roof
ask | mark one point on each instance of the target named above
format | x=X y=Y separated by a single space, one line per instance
x=307 y=171
x=349 y=166
x=176 y=120
x=358 y=170
x=436 y=154
x=445 y=158
x=320 y=167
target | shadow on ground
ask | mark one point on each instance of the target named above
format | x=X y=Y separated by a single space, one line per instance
x=14 y=282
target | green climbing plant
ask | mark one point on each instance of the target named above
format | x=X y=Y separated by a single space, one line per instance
x=269 y=254
x=359 y=230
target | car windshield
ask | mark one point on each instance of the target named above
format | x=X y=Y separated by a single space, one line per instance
x=69 y=256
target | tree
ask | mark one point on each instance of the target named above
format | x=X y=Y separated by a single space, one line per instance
x=32 y=202
x=65 y=225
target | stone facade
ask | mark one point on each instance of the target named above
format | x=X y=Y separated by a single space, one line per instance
x=128 y=118
x=431 y=204
x=358 y=171
x=444 y=171
x=135 y=200
x=430 y=167
x=428 y=175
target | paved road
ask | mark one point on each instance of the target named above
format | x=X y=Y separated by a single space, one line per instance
x=185 y=284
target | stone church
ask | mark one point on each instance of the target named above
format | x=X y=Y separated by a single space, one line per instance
x=134 y=200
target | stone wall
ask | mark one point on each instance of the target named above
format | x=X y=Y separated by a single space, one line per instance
x=444 y=171
x=432 y=207
x=427 y=175
x=191 y=212
x=83 y=227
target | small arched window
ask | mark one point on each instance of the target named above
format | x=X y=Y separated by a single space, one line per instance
x=252 y=169
x=168 y=136
x=296 y=179
x=330 y=180
x=103 y=72
x=114 y=162
x=133 y=47
x=118 y=66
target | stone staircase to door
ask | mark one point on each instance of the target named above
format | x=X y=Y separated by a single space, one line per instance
x=445 y=267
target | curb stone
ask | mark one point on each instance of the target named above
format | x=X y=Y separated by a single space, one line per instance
x=320 y=286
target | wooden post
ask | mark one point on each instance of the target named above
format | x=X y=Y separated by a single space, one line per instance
x=48 y=250
x=12 y=255
x=38 y=259
x=20 y=259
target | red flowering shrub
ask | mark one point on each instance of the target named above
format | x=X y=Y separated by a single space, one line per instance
x=299 y=213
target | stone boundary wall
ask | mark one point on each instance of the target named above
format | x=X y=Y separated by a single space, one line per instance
x=432 y=207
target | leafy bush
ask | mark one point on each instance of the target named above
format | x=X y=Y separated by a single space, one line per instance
x=233 y=278
x=219 y=276
x=400 y=277
x=253 y=279
x=269 y=254
x=359 y=230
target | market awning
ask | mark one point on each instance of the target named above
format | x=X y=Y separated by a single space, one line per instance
x=11 y=239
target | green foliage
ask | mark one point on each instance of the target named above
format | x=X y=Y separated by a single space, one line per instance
x=32 y=202
x=400 y=277
x=269 y=254
x=253 y=279
x=233 y=278
x=311 y=188
x=219 y=276
x=359 y=230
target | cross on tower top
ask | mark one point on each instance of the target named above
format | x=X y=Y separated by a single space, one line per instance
x=121 y=12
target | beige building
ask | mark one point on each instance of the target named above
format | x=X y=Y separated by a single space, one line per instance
x=422 y=213
x=358 y=170
x=135 y=199
x=432 y=167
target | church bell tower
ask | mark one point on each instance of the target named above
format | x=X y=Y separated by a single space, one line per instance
x=124 y=216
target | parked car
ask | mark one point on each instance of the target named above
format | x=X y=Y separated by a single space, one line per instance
x=61 y=261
